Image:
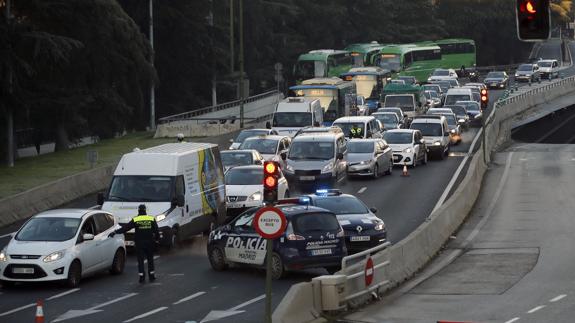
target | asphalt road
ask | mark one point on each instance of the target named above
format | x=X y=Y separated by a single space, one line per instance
x=188 y=290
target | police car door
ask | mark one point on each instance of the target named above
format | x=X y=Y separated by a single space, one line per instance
x=243 y=244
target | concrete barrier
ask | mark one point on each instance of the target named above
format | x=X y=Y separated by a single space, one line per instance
x=20 y=206
x=411 y=254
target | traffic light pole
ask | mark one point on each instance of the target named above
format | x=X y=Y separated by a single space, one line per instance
x=269 y=251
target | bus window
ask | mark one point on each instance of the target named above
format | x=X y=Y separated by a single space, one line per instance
x=407 y=59
x=305 y=70
x=390 y=62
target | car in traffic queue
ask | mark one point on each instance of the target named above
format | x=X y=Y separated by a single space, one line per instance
x=453 y=82
x=313 y=239
x=390 y=120
x=244 y=134
x=441 y=74
x=363 y=229
x=397 y=111
x=245 y=189
x=496 y=80
x=434 y=87
x=528 y=73
x=454 y=127
x=368 y=125
x=271 y=147
x=444 y=85
x=63 y=245
x=460 y=114
x=433 y=99
x=549 y=68
x=474 y=111
x=409 y=80
x=408 y=146
x=369 y=157
x=233 y=158
x=307 y=130
x=435 y=132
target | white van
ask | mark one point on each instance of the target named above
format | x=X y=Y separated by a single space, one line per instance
x=181 y=184
x=458 y=94
x=548 y=68
x=295 y=113
x=435 y=131
x=370 y=126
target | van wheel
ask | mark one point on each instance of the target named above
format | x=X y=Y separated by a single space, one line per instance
x=119 y=262
x=74 y=274
x=174 y=240
x=217 y=259
x=278 y=269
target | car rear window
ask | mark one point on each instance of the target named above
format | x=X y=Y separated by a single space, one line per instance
x=314 y=222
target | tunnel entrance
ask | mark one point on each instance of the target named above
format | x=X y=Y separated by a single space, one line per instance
x=555 y=128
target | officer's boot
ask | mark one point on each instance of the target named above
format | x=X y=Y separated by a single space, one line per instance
x=142 y=278
x=152 y=276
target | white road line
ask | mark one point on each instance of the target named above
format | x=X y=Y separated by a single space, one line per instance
x=558 y=298
x=18 y=309
x=456 y=175
x=513 y=320
x=113 y=301
x=156 y=257
x=179 y=274
x=7 y=235
x=63 y=294
x=159 y=309
x=361 y=190
x=259 y=298
x=185 y=299
x=535 y=309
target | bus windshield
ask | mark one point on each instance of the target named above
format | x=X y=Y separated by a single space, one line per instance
x=327 y=99
x=309 y=69
x=390 y=62
x=405 y=102
x=366 y=86
x=292 y=119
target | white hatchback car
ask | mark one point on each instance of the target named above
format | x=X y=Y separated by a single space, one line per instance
x=64 y=245
x=408 y=146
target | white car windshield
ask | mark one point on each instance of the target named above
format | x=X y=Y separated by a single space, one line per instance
x=232 y=158
x=249 y=133
x=440 y=73
x=239 y=176
x=545 y=64
x=526 y=67
x=48 y=229
x=360 y=147
x=263 y=146
x=398 y=137
x=428 y=129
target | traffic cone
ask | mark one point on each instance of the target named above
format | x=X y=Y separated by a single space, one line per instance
x=404 y=173
x=39 y=312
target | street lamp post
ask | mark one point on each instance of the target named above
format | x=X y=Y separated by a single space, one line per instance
x=241 y=62
x=152 y=88
x=9 y=109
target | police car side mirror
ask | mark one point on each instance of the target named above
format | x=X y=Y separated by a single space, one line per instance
x=373 y=210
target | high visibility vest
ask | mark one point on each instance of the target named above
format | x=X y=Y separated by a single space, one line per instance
x=143 y=222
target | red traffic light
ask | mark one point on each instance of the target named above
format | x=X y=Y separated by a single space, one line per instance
x=484 y=98
x=527 y=6
x=483 y=92
x=270 y=181
x=533 y=19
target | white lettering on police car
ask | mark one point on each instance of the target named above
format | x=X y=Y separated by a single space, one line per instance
x=249 y=250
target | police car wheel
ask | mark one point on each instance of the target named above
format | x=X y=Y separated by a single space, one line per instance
x=278 y=269
x=217 y=259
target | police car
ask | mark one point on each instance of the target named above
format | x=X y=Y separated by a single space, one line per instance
x=313 y=239
x=363 y=229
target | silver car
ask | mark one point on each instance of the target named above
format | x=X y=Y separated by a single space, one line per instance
x=369 y=157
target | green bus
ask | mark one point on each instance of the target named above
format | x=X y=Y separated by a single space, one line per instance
x=417 y=60
x=364 y=53
x=322 y=63
x=456 y=53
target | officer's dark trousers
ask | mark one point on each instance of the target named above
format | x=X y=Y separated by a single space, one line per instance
x=145 y=251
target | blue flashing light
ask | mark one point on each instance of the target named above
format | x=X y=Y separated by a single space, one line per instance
x=321 y=192
x=304 y=200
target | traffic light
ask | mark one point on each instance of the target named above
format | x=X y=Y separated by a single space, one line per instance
x=484 y=98
x=533 y=19
x=271 y=176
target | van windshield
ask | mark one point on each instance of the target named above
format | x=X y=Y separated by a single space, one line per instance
x=403 y=102
x=292 y=119
x=310 y=150
x=428 y=129
x=141 y=189
x=451 y=99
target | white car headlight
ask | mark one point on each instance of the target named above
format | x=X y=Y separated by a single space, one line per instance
x=437 y=143
x=328 y=167
x=3 y=256
x=54 y=256
x=257 y=196
x=461 y=120
x=516 y=75
x=160 y=217
x=379 y=226
x=407 y=150
x=365 y=162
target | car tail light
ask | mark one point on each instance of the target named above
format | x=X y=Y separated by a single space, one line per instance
x=295 y=237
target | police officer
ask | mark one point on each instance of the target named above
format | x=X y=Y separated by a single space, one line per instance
x=181 y=137
x=356 y=132
x=147 y=233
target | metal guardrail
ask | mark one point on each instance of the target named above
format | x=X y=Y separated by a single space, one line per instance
x=196 y=113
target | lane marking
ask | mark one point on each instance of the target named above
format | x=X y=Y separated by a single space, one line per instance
x=7 y=235
x=361 y=190
x=259 y=298
x=63 y=294
x=159 y=309
x=513 y=320
x=457 y=172
x=177 y=274
x=113 y=301
x=185 y=299
x=558 y=298
x=535 y=309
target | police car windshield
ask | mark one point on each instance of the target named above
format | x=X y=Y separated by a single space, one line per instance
x=347 y=126
x=249 y=133
x=428 y=129
x=232 y=158
x=292 y=119
x=341 y=204
x=315 y=222
x=311 y=150
x=397 y=137
x=360 y=147
x=48 y=229
x=263 y=146
x=240 y=176
x=141 y=189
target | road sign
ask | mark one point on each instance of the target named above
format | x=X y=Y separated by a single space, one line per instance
x=270 y=222
x=369 y=270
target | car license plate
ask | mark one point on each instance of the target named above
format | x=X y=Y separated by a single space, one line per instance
x=20 y=270
x=233 y=205
x=307 y=178
x=321 y=252
x=359 y=238
x=493 y=84
x=129 y=243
